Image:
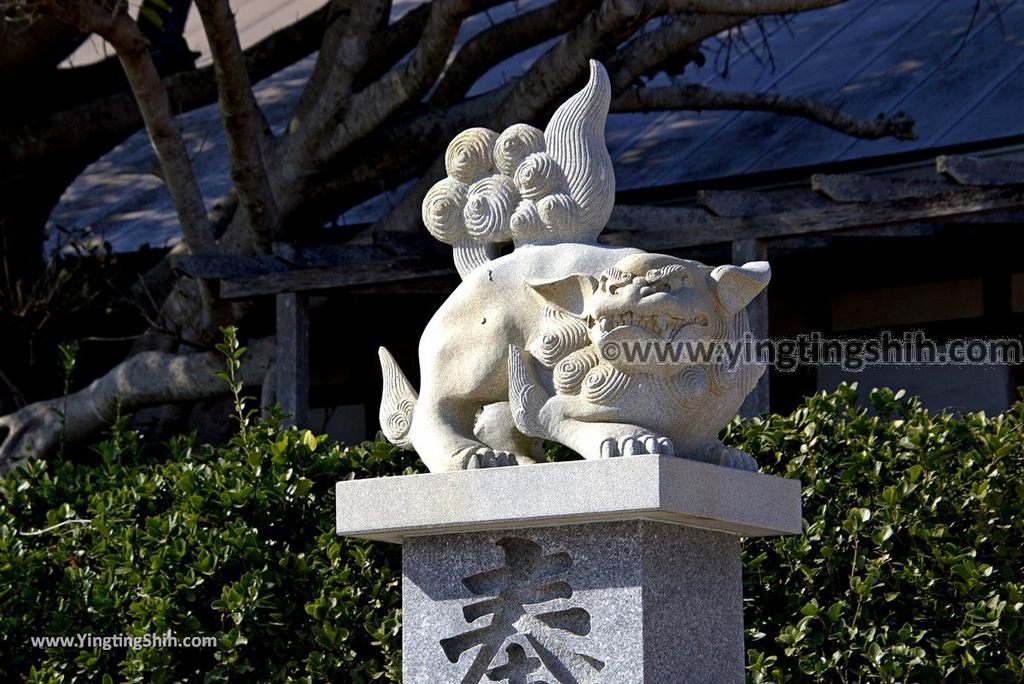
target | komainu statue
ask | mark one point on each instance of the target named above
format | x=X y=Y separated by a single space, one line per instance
x=564 y=339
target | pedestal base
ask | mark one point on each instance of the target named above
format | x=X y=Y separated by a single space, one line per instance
x=624 y=602
x=620 y=571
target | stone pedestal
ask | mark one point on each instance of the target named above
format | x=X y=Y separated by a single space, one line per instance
x=621 y=571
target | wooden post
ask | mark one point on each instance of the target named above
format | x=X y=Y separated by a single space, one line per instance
x=293 y=356
x=743 y=251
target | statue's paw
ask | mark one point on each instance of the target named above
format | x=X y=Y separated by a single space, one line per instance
x=730 y=457
x=637 y=442
x=484 y=457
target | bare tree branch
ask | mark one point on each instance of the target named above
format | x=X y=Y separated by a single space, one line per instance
x=133 y=52
x=401 y=37
x=399 y=151
x=144 y=380
x=244 y=123
x=508 y=38
x=384 y=51
x=100 y=124
x=698 y=98
x=405 y=83
x=648 y=50
x=343 y=53
x=565 y=64
x=132 y=49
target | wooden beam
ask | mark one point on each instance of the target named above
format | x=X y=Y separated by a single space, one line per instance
x=216 y=266
x=325 y=256
x=968 y=170
x=286 y=257
x=640 y=217
x=315 y=279
x=744 y=251
x=848 y=187
x=293 y=357
x=676 y=232
x=733 y=203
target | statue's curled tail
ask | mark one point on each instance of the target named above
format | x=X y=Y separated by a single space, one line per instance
x=397 y=402
x=525 y=185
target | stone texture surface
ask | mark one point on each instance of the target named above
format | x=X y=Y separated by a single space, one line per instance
x=619 y=602
x=629 y=487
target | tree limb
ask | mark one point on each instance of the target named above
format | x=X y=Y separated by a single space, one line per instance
x=292 y=155
x=405 y=83
x=169 y=145
x=649 y=50
x=698 y=98
x=132 y=49
x=400 y=37
x=343 y=54
x=504 y=40
x=151 y=96
x=244 y=123
x=390 y=156
x=34 y=147
x=144 y=380
x=565 y=63
x=100 y=124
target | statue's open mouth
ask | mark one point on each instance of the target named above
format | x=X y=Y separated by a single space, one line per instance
x=665 y=327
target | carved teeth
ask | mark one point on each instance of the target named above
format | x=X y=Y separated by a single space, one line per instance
x=666 y=327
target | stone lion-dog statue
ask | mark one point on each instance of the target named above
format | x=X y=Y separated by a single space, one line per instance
x=523 y=349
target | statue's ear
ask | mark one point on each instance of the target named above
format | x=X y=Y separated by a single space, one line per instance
x=570 y=294
x=736 y=286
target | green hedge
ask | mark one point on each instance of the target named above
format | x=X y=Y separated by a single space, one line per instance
x=910 y=569
x=234 y=541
